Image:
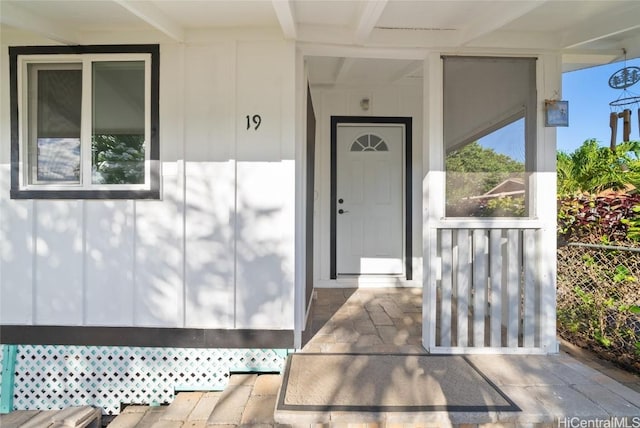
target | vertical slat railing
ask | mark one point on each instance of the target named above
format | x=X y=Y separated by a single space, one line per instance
x=513 y=285
x=489 y=284
x=530 y=290
x=447 y=274
x=496 y=278
x=479 y=285
x=463 y=270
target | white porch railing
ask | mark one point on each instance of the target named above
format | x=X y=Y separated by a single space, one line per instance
x=488 y=291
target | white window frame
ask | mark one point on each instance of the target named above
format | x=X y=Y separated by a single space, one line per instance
x=529 y=114
x=86 y=61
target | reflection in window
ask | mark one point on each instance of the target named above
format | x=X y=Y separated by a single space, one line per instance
x=54 y=123
x=486 y=178
x=369 y=143
x=118 y=122
x=489 y=121
x=58 y=160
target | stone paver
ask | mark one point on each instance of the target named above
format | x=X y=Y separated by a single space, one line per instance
x=16 y=419
x=39 y=420
x=259 y=409
x=380 y=318
x=73 y=416
x=194 y=424
x=181 y=407
x=205 y=406
x=230 y=406
x=167 y=424
x=78 y=416
x=127 y=420
x=267 y=384
x=150 y=417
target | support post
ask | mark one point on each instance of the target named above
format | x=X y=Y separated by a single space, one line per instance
x=9 y=353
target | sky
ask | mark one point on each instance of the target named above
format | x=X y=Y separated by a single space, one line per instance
x=589 y=95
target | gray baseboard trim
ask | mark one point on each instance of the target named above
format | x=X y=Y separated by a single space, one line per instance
x=145 y=336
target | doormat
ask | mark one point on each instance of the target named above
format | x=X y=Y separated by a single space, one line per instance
x=388 y=383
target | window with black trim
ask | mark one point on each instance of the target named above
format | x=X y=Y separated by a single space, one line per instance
x=85 y=122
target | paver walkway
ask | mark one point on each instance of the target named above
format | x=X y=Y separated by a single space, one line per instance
x=366 y=320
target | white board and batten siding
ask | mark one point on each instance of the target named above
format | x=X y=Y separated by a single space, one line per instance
x=217 y=251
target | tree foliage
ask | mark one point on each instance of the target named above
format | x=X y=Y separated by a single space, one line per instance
x=472 y=171
x=118 y=159
x=592 y=169
x=473 y=158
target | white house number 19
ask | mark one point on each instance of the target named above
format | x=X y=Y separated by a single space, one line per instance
x=254 y=122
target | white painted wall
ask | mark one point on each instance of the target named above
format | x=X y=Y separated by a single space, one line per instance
x=217 y=251
x=401 y=99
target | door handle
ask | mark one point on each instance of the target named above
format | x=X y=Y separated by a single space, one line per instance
x=341 y=211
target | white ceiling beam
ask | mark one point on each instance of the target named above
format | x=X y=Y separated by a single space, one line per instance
x=579 y=60
x=344 y=67
x=617 y=22
x=368 y=19
x=153 y=16
x=594 y=58
x=347 y=51
x=411 y=68
x=286 y=17
x=18 y=17
x=487 y=24
x=632 y=47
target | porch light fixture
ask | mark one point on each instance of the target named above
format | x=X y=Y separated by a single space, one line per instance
x=364 y=104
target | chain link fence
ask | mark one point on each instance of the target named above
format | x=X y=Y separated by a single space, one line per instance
x=599 y=300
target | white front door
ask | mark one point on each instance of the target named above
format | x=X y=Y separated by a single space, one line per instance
x=369 y=199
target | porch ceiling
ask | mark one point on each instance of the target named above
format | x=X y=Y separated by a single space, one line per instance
x=587 y=32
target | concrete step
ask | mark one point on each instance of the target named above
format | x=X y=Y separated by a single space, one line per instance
x=260 y=408
x=248 y=400
x=233 y=400
x=138 y=416
x=71 y=417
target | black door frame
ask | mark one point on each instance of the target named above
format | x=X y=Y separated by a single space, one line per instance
x=407 y=122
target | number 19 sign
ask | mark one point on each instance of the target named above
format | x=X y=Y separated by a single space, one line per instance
x=254 y=122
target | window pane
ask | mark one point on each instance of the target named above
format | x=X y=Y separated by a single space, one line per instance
x=118 y=137
x=489 y=129
x=369 y=143
x=55 y=98
x=486 y=178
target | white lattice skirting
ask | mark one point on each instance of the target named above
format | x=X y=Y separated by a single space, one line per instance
x=54 y=377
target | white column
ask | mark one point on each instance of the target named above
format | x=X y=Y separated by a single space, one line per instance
x=549 y=72
x=432 y=191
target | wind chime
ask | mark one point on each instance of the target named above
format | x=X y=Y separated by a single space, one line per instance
x=621 y=107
